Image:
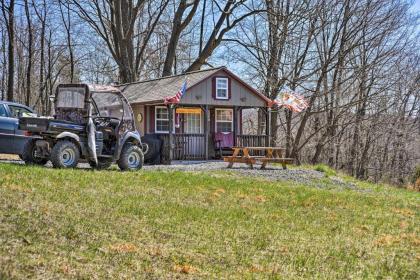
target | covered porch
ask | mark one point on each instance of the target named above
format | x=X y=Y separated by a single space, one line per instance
x=207 y=132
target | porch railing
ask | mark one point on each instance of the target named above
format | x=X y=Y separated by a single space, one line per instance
x=252 y=140
x=191 y=146
x=247 y=140
x=188 y=146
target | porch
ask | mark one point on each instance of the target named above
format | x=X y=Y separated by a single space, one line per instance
x=203 y=132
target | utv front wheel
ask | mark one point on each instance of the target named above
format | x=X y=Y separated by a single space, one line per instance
x=29 y=155
x=131 y=158
x=65 y=154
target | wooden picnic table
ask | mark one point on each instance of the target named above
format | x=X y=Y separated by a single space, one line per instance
x=271 y=154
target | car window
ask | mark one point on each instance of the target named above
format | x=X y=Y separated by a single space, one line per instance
x=17 y=111
x=2 y=111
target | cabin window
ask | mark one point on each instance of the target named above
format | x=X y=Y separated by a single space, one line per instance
x=161 y=120
x=222 y=88
x=224 y=120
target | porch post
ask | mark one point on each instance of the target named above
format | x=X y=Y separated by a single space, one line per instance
x=268 y=126
x=171 y=131
x=206 y=130
x=235 y=124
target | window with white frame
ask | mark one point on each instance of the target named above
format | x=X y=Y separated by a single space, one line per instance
x=224 y=120
x=161 y=119
x=222 y=88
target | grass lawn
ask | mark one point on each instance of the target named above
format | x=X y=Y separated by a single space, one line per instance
x=154 y=224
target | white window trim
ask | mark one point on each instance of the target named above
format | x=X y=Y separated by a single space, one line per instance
x=156 y=119
x=227 y=89
x=216 y=121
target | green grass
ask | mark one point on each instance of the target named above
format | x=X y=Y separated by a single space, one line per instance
x=325 y=169
x=58 y=224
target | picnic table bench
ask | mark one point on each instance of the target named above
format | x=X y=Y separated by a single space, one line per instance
x=271 y=154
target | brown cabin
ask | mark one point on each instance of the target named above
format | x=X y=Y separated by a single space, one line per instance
x=208 y=119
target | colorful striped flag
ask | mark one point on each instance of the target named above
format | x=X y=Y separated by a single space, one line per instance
x=291 y=101
x=175 y=99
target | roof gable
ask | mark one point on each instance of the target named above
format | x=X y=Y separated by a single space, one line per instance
x=155 y=91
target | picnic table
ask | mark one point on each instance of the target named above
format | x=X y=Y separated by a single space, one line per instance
x=271 y=154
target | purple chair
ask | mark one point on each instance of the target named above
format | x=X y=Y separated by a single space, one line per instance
x=223 y=140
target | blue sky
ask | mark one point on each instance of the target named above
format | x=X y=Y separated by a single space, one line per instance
x=416 y=6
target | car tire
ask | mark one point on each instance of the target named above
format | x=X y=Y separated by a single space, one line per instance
x=65 y=154
x=29 y=156
x=154 y=148
x=102 y=164
x=131 y=158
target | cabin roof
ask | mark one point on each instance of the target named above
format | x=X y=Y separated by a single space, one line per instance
x=156 y=90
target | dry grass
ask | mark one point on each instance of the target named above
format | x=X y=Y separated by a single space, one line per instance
x=83 y=224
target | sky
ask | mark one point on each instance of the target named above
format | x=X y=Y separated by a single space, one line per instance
x=416 y=6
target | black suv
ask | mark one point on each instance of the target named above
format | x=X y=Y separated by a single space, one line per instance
x=12 y=139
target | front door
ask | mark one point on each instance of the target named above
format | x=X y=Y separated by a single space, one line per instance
x=192 y=123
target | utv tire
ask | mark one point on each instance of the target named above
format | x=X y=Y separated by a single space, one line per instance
x=29 y=156
x=65 y=154
x=102 y=164
x=131 y=158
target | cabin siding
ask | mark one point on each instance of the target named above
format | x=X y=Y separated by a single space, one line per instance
x=139 y=109
x=202 y=93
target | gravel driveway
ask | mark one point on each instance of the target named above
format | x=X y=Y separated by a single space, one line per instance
x=273 y=173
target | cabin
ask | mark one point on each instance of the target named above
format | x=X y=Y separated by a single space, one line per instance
x=206 y=123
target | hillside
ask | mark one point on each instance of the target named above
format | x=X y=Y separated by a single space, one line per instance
x=217 y=224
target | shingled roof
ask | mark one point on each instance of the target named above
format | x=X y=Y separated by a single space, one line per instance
x=157 y=89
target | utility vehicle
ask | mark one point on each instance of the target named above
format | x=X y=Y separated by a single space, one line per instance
x=91 y=123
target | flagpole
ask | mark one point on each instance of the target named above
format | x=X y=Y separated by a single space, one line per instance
x=171 y=129
x=268 y=126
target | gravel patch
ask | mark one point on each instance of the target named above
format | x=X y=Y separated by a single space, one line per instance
x=272 y=173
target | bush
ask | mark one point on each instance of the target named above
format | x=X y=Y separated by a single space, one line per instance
x=416 y=175
x=415 y=179
x=325 y=169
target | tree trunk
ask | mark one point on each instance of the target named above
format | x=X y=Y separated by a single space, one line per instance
x=177 y=27
x=9 y=16
x=30 y=54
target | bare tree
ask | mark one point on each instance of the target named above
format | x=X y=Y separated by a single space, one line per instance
x=8 y=12
x=115 y=22
x=231 y=14
x=30 y=54
x=66 y=19
x=178 y=25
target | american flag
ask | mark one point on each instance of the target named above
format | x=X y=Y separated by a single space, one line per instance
x=291 y=101
x=175 y=99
